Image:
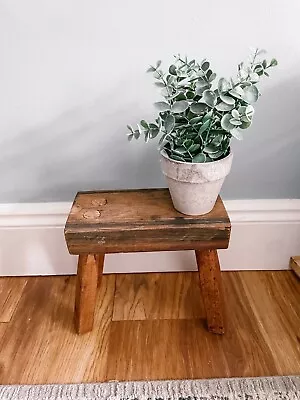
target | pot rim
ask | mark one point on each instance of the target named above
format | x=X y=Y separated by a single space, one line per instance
x=164 y=154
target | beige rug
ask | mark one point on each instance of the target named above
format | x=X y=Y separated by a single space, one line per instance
x=273 y=388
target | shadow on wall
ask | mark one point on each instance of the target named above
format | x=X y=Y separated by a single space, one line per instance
x=83 y=149
x=86 y=148
x=266 y=162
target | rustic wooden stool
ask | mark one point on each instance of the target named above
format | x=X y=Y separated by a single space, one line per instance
x=143 y=220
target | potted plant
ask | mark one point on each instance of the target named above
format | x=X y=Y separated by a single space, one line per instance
x=196 y=122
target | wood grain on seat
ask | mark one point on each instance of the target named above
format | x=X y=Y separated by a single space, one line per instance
x=140 y=220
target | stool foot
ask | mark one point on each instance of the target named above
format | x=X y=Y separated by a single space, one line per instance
x=86 y=290
x=211 y=286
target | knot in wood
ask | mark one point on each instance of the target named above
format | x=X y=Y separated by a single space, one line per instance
x=99 y=202
x=90 y=214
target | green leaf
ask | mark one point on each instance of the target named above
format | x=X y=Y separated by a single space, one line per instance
x=237 y=92
x=223 y=85
x=242 y=110
x=172 y=69
x=180 y=150
x=153 y=133
x=198 y=108
x=158 y=74
x=136 y=134
x=207 y=116
x=169 y=123
x=249 y=111
x=181 y=96
x=194 y=147
x=235 y=114
x=140 y=130
x=147 y=136
x=159 y=84
x=201 y=82
x=162 y=138
x=162 y=106
x=151 y=69
x=168 y=96
x=227 y=99
x=204 y=127
x=205 y=66
x=216 y=155
x=236 y=134
x=199 y=158
x=254 y=77
x=158 y=63
x=225 y=122
x=244 y=118
x=273 y=62
x=261 y=52
x=184 y=82
x=208 y=73
x=245 y=124
x=187 y=143
x=200 y=90
x=144 y=124
x=259 y=70
x=209 y=97
x=190 y=95
x=211 y=149
x=179 y=106
x=129 y=137
x=224 y=107
x=212 y=77
x=130 y=128
x=195 y=120
x=217 y=140
x=250 y=94
x=235 y=122
x=176 y=157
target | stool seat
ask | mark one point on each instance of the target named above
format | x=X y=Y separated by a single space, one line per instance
x=141 y=220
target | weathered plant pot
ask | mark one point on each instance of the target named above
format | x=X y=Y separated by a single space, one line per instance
x=194 y=187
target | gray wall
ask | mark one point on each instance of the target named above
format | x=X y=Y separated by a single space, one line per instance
x=72 y=76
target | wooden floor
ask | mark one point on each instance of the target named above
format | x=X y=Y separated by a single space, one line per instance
x=148 y=326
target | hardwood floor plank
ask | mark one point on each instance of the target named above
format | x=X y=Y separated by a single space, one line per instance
x=277 y=311
x=41 y=346
x=11 y=289
x=157 y=296
x=178 y=349
x=39 y=343
x=246 y=350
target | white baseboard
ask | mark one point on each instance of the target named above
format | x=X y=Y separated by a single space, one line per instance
x=265 y=233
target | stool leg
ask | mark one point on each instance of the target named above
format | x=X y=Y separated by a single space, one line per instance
x=100 y=264
x=86 y=290
x=211 y=286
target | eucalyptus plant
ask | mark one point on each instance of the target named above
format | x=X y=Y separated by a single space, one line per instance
x=199 y=114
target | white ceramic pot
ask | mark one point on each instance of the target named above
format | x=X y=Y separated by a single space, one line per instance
x=194 y=187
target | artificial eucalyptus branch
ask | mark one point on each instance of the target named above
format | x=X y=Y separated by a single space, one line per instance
x=199 y=117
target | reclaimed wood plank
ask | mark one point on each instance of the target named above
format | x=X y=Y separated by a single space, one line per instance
x=140 y=220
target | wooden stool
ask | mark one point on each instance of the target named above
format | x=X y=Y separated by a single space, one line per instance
x=143 y=220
